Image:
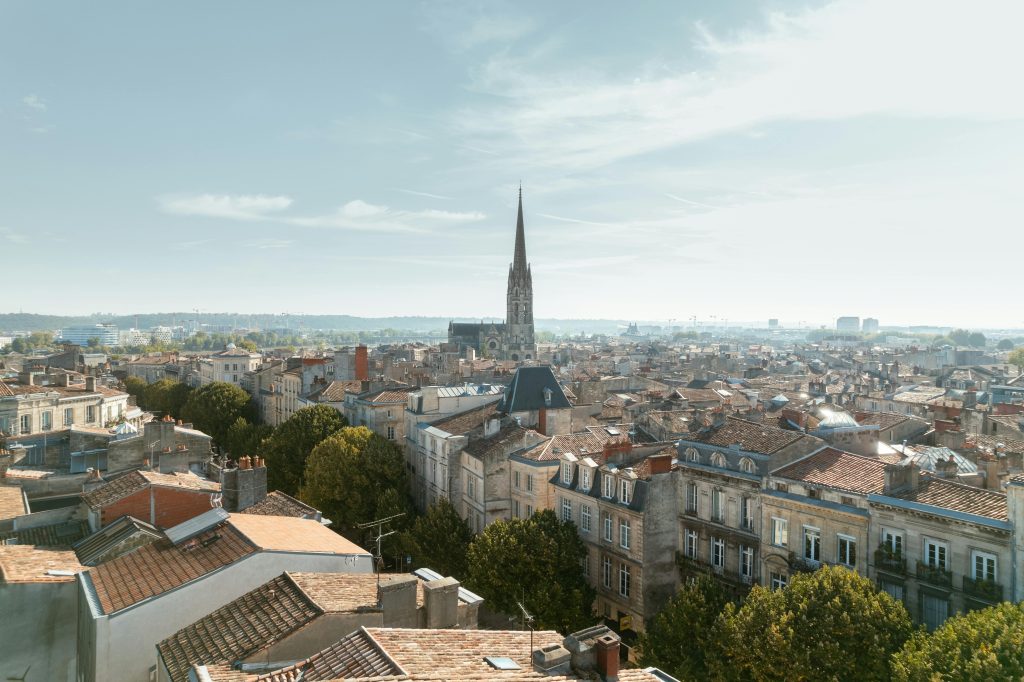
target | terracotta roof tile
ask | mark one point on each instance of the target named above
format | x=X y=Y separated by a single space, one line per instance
x=464 y=422
x=837 y=469
x=12 y=502
x=750 y=436
x=52 y=535
x=28 y=564
x=134 y=481
x=288 y=534
x=959 y=497
x=277 y=503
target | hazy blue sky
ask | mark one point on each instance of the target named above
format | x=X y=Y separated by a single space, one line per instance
x=791 y=160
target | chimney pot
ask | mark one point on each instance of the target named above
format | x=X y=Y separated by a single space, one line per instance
x=608 y=657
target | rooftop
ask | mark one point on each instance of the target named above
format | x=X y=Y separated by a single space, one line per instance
x=837 y=469
x=277 y=503
x=140 y=479
x=750 y=436
x=12 y=502
x=533 y=388
x=942 y=492
x=28 y=564
x=463 y=422
x=288 y=534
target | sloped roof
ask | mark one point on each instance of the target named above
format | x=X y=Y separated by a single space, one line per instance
x=102 y=542
x=837 y=469
x=750 y=436
x=28 y=564
x=63 y=534
x=12 y=502
x=942 y=492
x=463 y=422
x=277 y=503
x=528 y=389
x=137 y=480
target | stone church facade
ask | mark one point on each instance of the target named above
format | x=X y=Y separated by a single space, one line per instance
x=512 y=339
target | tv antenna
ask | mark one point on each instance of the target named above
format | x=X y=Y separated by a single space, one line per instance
x=527 y=623
x=379 y=524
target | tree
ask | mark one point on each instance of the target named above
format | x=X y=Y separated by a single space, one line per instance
x=682 y=637
x=440 y=540
x=167 y=396
x=1016 y=359
x=538 y=561
x=348 y=476
x=136 y=387
x=831 y=624
x=291 y=442
x=1005 y=344
x=243 y=438
x=976 y=340
x=979 y=645
x=960 y=337
x=213 y=408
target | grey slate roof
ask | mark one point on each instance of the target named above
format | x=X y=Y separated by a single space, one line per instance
x=526 y=392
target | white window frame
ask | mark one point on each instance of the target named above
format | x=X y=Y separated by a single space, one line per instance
x=718 y=505
x=624 y=533
x=778 y=581
x=607 y=521
x=606 y=572
x=692 y=455
x=747 y=513
x=746 y=565
x=780 y=532
x=717 y=552
x=813 y=535
x=585 y=518
x=515 y=480
x=625 y=578
x=584 y=478
x=607 y=486
x=846 y=550
x=985 y=558
x=625 y=491
x=747 y=465
x=690 y=543
x=529 y=483
x=566 y=509
x=69 y=416
x=893 y=539
x=938 y=545
x=691 y=497
x=718 y=460
x=567 y=472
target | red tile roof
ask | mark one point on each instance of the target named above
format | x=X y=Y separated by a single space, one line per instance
x=750 y=436
x=837 y=469
x=134 y=481
x=956 y=496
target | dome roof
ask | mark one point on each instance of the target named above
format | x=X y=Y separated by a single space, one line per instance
x=832 y=419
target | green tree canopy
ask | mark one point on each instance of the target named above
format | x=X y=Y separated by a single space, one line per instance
x=1016 y=359
x=213 y=408
x=440 y=540
x=1005 y=344
x=683 y=636
x=291 y=442
x=960 y=336
x=167 y=397
x=986 y=644
x=831 y=624
x=136 y=387
x=538 y=561
x=976 y=340
x=348 y=477
x=244 y=438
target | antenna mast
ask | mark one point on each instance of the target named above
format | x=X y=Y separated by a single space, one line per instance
x=379 y=524
x=527 y=622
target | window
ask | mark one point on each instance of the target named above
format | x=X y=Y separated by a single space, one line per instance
x=584 y=479
x=983 y=566
x=607 y=485
x=848 y=501
x=566 y=509
x=690 y=544
x=718 y=552
x=47 y=422
x=90 y=413
x=747 y=465
x=894 y=590
x=624 y=533
x=567 y=472
x=746 y=513
x=717 y=460
x=529 y=510
x=389 y=414
x=746 y=562
x=515 y=508
x=935 y=553
x=691 y=455
x=607 y=528
x=606 y=572
x=782 y=487
x=585 y=517
x=893 y=539
x=69 y=416
x=780 y=532
x=624 y=492
x=471 y=487
x=812 y=544
x=718 y=505
x=515 y=480
x=847 y=553
x=433 y=472
x=778 y=580
x=26 y=423
x=391 y=433
x=624 y=580
x=934 y=610
x=529 y=483
x=691 y=498
x=585 y=562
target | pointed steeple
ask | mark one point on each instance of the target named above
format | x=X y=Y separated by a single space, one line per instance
x=519 y=259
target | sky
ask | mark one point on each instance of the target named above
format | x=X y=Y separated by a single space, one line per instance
x=724 y=160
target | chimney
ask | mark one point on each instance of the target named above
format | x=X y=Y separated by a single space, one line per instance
x=90 y=384
x=492 y=426
x=362 y=363
x=64 y=379
x=441 y=600
x=608 y=657
x=553 y=659
x=396 y=598
x=717 y=418
x=660 y=463
x=970 y=399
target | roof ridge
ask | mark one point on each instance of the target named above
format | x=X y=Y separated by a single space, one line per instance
x=931 y=478
x=312 y=602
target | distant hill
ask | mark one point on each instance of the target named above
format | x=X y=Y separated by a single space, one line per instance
x=32 y=323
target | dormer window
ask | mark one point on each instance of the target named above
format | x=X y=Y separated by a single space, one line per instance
x=608 y=486
x=547 y=396
x=625 y=491
x=717 y=460
x=584 y=479
x=747 y=465
x=691 y=454
x=567 y=472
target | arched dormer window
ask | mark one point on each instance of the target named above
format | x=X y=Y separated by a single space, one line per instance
x=692 y=455
x=747 y=465
x=717 y=460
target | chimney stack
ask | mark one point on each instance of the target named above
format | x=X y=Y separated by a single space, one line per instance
x=608 y=657
x=396 y=598
x=90 y=384
x=660 y=463
x=441 y=599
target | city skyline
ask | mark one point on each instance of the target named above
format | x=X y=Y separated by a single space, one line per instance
x=748 y=162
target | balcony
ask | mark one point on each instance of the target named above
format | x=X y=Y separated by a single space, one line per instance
x=936 y=575
x=690 y=512
x=986 y=590
x=692 y=566
x=888 y=560
x=801 y=565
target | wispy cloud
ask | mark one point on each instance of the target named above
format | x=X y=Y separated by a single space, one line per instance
x=34 y=102
x=271 y=243
x=424 y=194
x=353 y=215
x=689 y=202
x=234 y=207
x=12 y=236
x=811 y=65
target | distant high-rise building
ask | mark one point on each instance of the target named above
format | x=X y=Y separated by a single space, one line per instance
x=870 y=325
x=106 y=333
x=773 y=323
x=848 y=324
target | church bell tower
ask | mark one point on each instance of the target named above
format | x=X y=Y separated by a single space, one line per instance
x=519 y=340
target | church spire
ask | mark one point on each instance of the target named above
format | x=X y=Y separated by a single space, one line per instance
x=519 y=259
